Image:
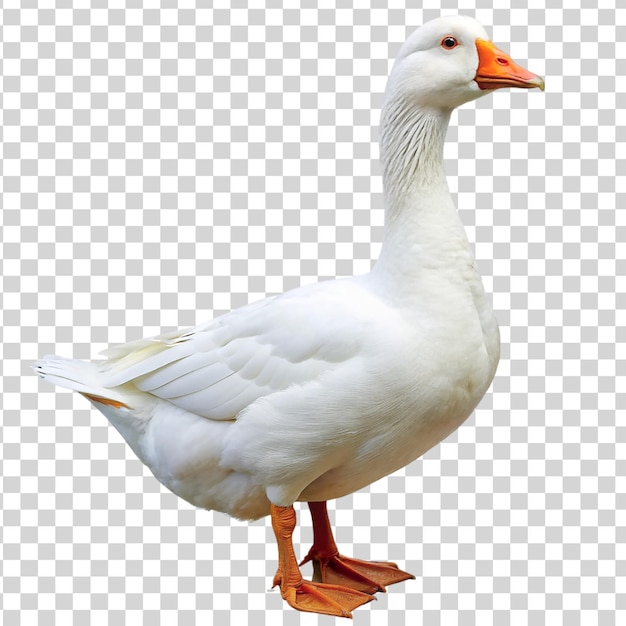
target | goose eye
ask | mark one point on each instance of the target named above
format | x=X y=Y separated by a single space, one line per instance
x=449 y=42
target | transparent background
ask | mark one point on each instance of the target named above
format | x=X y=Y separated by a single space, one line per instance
x=164 y=163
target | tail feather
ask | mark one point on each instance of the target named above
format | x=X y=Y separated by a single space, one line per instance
x=81 y=376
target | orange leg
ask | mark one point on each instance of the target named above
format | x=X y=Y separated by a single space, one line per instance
x=300 y=594
x=331 y=567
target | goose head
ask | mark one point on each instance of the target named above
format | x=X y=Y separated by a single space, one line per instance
x=450 y=61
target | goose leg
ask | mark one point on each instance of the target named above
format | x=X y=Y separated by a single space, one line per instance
x=331 y=567
x=314 y=597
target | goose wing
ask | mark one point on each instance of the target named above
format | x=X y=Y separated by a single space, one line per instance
x=217 y=369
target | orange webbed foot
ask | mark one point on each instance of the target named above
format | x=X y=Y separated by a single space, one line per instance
x=365 y=576
x=333 y=568
x=323 y=598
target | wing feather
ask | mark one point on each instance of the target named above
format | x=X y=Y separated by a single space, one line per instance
x=235 y=398
x=190 y=382
x=137 y=364
x=176 y=369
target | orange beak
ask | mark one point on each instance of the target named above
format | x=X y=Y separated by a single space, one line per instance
x=497 y=69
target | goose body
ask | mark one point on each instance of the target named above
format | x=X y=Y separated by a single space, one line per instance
x=318 y=392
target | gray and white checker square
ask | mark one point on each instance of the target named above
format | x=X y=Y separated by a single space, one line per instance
x=162 y=164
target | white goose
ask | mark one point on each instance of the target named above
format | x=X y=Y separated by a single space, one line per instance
x=319 y=392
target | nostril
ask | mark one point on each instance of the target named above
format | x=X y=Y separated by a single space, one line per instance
x=502 y=61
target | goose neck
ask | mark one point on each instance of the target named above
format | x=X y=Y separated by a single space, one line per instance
x=412 y=140
x=422 y=227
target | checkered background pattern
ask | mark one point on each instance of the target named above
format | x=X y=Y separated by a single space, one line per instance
x=166 y=162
